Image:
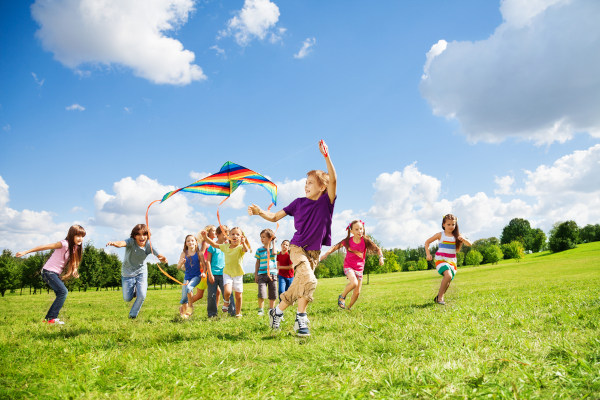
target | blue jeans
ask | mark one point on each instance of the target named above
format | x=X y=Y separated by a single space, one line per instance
x=188 y=288
x=211 y=301
x=284 y=284
x=53 y=280
x=140 y=284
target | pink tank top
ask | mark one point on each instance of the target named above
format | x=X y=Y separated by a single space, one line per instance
x=56 y=262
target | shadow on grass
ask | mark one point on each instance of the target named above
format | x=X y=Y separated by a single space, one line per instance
x=58 y=333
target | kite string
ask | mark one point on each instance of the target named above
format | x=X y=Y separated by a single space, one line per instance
x=150 y=242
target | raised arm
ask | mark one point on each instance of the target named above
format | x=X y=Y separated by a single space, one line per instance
x=464 y=240
x=332 y=187
x=118 y=243
x=50 y=246
x=209 y=240
x=331 y=250
x=428 y=242
x=268 y=215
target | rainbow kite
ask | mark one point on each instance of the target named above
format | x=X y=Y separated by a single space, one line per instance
x=226 y=181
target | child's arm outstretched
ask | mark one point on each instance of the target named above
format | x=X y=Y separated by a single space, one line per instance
x=268 y=215
x=428 y=242
x=332 y=249
x=118 y=243
x=50 y=246
x=209 y=240
x=332 y=187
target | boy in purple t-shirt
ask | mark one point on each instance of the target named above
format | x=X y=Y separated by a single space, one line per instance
x=312 y=220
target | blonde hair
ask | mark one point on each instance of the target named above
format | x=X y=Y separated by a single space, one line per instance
x=322 y=177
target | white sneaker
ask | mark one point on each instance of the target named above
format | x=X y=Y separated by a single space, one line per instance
x=301 y=325
x=261 y=311
x=55 y=321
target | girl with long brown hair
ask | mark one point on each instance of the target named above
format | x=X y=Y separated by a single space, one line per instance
x=450 y=241
x=61 y=266
x=357 y=248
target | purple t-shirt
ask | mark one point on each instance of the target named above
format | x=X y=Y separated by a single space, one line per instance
x=312 y=220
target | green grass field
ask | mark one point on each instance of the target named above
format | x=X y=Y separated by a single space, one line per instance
x=527 y=329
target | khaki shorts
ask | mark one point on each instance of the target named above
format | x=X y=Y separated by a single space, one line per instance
x=305 y=282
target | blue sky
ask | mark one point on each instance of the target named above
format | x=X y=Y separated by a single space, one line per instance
x=484 y=109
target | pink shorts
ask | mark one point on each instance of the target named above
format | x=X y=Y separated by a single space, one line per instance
x=358 y=274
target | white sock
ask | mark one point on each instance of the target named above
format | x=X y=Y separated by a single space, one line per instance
x=278 y=310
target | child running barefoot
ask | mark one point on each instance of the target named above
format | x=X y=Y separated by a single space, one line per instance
x=354 y=263
x=233 y=273
x=312 y=220
x=216 y=260
x=192 y=262
x=450 y=242
x=61 y=266
x=134 y=271
x=265 y=272
x=285 y=269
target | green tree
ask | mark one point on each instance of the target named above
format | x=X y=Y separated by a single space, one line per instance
x=513 y=250
x=390 y=263
x=10 y=275
x=481 y=244
x=460 y=259
x=517 y=229
x=537 y=240
x=421 y=264
x=564 y=236
x=473 y=257
x=31 y=271
x=90 y=268
x=590 y=233
x=492 y=254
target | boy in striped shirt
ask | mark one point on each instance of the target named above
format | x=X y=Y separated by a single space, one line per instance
x=265 y=271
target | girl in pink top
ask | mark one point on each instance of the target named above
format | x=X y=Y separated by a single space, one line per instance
x=354 y=263
x=61 y=266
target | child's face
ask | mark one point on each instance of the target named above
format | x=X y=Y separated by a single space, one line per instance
x=312 y=188
x=212 y=233
x=78 y=239
x=141 y=239
x=236 y=236
x=264 y=239
x=357 y=229
x=223 y=235
x=285 y=247
x=191 y=243
x=449 y=225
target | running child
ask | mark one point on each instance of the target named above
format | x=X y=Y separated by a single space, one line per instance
x=210 y=229
x=192 y=262
x=216 y=260
x=285 y=269
x=233 y=273
x=312 y=220
x=356 y=247
x=450 y=241
x=61 y=266
x=265 y=271
x=134 y=271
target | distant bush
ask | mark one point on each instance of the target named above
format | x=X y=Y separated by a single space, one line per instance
x=564 y=236
x=473 y=258
x=513 y=250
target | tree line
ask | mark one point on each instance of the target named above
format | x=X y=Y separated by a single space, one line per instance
x=101 y=270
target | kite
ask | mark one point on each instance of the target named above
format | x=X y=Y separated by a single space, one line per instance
x=223 y=183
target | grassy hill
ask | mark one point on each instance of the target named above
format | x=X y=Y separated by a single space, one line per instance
x=525 y=329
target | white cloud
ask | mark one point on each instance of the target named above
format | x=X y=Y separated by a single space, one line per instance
x=39 y=82
x=218 y=50
x=256 y=20
x=128 y=33
x=307 y=46
x=408 y=206
x=534 y=78
x=24 y=229
x=504 y=184
x=75 y=107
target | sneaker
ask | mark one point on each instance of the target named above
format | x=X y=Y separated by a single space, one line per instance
x=274 y=319
x=55 y=321
x=238 y=315
x=301 y=325
x=261 y=312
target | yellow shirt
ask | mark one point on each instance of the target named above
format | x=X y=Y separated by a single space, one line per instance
x=233 y=259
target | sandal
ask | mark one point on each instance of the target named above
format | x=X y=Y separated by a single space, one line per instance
x=442 y=302
x=225 y=307
x=341 y=302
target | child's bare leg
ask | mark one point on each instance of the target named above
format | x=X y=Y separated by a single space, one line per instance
x=227 y=295
x=302 y=305
x=199 y=294
x=261 y=303
x=271 y=303
x=238 y=302
x=355 y=294
x=352 y=283
x=447 y=278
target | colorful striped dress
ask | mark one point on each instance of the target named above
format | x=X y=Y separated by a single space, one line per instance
x=445 y=257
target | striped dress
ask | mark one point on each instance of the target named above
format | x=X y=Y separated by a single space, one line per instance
x=445 y=257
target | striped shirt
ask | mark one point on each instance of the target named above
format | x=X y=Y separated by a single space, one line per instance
x=261 y=255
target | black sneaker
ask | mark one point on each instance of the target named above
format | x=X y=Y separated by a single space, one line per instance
x=301 y=325
x=274 y=319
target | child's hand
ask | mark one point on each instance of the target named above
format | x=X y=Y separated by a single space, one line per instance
x=211 y=279
x=323 y=148
x=21 y=254
x=323 y=257
x=270 y=277
x=255 y=278
x=204 y=234
x=253 y=210
x=162 y=258
x=429 y=258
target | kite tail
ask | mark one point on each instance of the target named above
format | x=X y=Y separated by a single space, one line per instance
x=269 y=244
x=219 y=218
x=150 y=242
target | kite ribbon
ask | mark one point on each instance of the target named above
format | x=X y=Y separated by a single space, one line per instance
x=150 y=242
